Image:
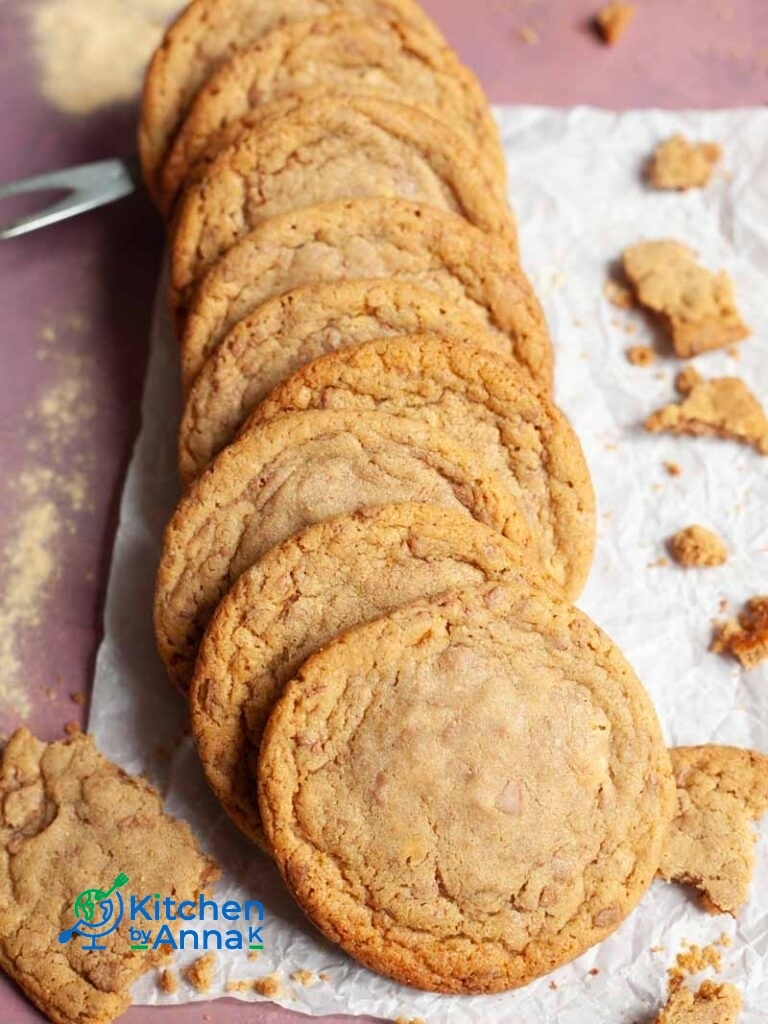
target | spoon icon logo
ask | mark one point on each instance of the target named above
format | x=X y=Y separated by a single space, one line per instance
x=98 y=914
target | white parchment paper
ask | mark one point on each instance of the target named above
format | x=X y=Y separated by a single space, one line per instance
x=576 y=187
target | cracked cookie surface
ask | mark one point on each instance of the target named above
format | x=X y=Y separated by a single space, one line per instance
x=483 y=401
x=468 y=792
x=372 y=238
x=70 y=821
x=322 y=151
x=339 y=55
x=305 y=592
x=300 y=469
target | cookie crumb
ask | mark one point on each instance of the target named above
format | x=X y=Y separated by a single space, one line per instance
x=746 y=638
x=693 y=960
x=238 y=986
x=641 y=355
x=325 y=976
x=303 y=977
x=720 y=407
x=408 y=1020
x=710 y=844
x=207 y=1016
x=618 y=294
x=673 y=468
x=696 y=305
x=72 y=728
x=613 y=21
x=594 y=972
x=168 y=982
x=660 y=563
x=254 y=955
x=528 y=34
x=680 y=164
x=200 y=973
x=269 y=986
x=77 y=698
x=710 y=1004
x=553 y=986
x=696 y=547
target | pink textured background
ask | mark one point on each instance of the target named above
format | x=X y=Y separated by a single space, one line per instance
x=101 y=269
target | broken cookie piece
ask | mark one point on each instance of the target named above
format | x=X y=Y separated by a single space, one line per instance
x=613 y=21
x=697 y=547
x=746 y=638
x=720 y=407
x=696 y=305
x=721 y=791
x=710 y=1004
x=73 y=825
x=680 y=164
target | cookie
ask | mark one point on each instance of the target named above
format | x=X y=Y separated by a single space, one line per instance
x=482 y=400
x=709 y=1004
x=721 y=791
x=369 y=238
x=469 y=792
x=720 y=407
x=300 y=469
x=680 y=164
x=697 y=306
x=69 y=822
x=209 y=32
x=746 y=638
x=305 y=592
x=696 y=547
x=323 y=150
x=289 y=331
x=343 y=55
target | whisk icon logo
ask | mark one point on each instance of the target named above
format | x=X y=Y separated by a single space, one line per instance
x=98 y=914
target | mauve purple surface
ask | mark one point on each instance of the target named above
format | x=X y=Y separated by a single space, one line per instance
x=103 y=267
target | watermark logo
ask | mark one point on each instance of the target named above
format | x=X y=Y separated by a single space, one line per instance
x=98 y=914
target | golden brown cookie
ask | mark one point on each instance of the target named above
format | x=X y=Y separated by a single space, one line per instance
x=696 y=547
x=300 y=469
x=482 y=400
x=469 y=792
x=305 y=592
x=709 y=1004
x=289 y=331
x=697 y=306
x=344 y=55
x=721 y=407
x=680 y=164
x=209 y=32
x=721 y=791
x=328 y=149
x=745 y=637
x=369 y=238
x=71 y=821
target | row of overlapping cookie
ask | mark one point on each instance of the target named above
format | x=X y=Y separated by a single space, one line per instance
x=472 y=788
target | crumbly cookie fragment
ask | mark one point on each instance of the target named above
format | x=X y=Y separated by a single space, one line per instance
x=613 y=21
x=200 y=972
x=746 y=638
x=696 y=305
x=70 y=821
x=168 y=982
x=270 y=986
x=696 y=547
x=680 y=164
x=721 y=791
x=720 y=407
x=618 y=294
x=710 y=1004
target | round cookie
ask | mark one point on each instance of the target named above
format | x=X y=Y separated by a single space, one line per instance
x=469 y=792
x=482 y=400
x=303 y=593
x=325 y=150
x=342 y=55
x=298 y=470
x=368 y=238
x=209 y=32
x=289 y=331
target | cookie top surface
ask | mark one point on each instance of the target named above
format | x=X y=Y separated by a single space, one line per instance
x=343 y=55
x=300 y=469
x=303 y=593
x=373 y=238
x=482 y=400
x=208 y=32
x=289 y=331
x=71 y=821
x=329 y=149
x=468 y=792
